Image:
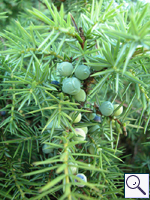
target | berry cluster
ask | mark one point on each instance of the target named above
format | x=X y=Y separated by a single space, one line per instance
x=107 y=109
x=72 y=85
x=80 y=135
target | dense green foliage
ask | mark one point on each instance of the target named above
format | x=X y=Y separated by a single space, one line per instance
x=12 y=8
x=43 y=132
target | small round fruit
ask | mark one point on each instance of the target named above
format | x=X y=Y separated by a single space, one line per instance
x=77 y=119
x=82 y=72
x=107 y=108
x=119 y=111
x=65 y=68
x=85 y=129
x=50 y=125
x=80 y=96
x=73 y=169
x=94 y=128
x=80 y=135
x=83 y=178
x=71 y=86
x=91 y=116
x=46 y=149
x=3 y=113
x=97 y=118
x=55 y=82
x=91 y=149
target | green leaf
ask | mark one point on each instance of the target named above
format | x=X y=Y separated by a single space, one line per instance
x=46 y=193
x=3 y=194
x=52 y=183
x=129 y=55
x=61 y=168
x=128 y=108
x=97 y=87
x=48 y=161
x=46 y=39
x=52 y=40
x=41 y=16
x=115 y=34
x=146 y=125
x=40 y=171
x=142 y=15
x=50 y=9
x=87 y=19
x=134 y=78
x=103 y=72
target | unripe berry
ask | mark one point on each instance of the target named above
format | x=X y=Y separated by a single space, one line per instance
x=80 y=96
x=77 y=119
x=119 y=111
x=91 y=149
x=46 y=149
x=71 y=86
x=113 y=123
x=80 y=135
x=85 y=129
x=82 y=72
x=73 y=169
x=107 y=108
x=50 y=125
x=65 y=68
x=90 y=116
x=83 y=178
x=94 y=128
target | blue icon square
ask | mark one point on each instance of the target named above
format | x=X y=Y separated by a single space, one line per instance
x=136 y=185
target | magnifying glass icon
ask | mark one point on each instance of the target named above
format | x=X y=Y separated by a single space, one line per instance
x=133 y=182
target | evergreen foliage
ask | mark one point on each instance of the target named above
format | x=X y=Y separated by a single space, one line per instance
x=114 y=43
x=12 y=8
